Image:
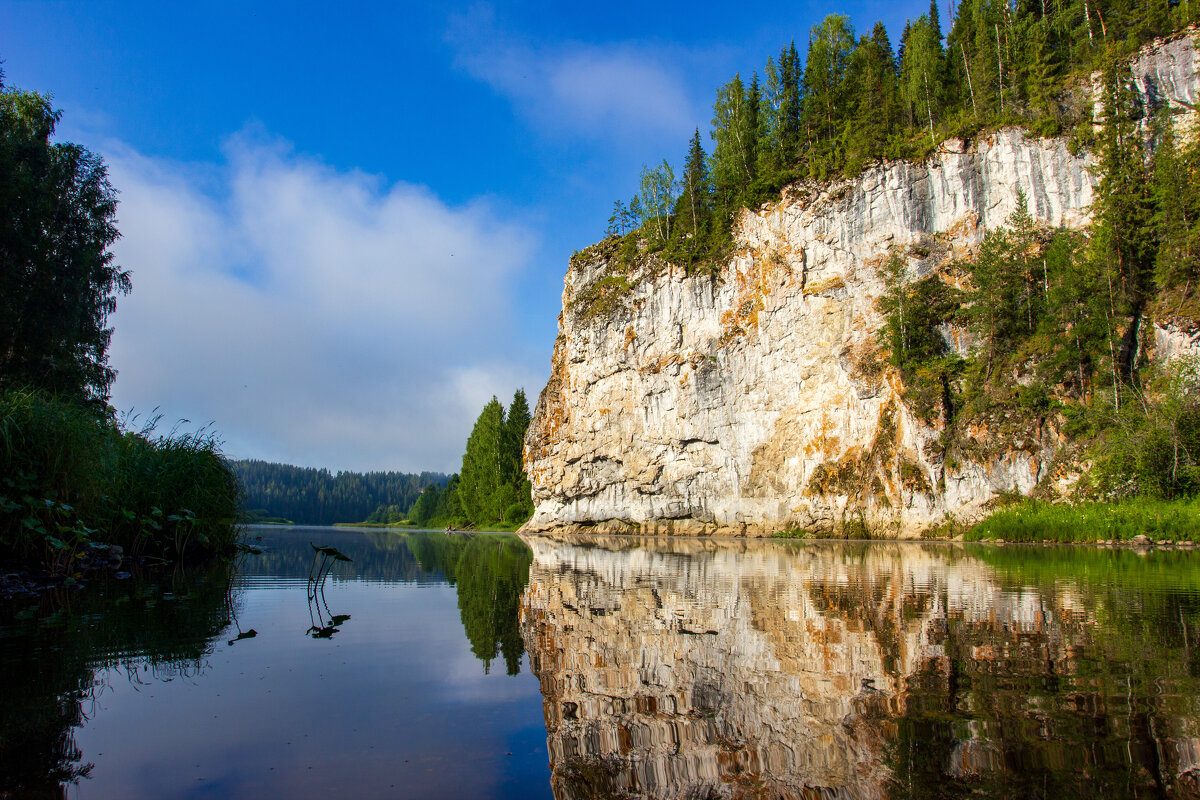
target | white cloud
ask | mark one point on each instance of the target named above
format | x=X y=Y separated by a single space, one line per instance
x=597 y=91
x=314 y=316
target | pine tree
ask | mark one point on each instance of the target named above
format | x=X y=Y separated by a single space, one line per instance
x=636 y=217
x=617 y=220
x=1123 y=244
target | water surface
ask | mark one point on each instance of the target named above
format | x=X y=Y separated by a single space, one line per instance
x=399 y=699
x=582 y=667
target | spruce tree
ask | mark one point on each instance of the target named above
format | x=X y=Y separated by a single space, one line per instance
x=518 y=501
x=696 y=199
x=875 y=101
x=480 y=481
x=1176 y=194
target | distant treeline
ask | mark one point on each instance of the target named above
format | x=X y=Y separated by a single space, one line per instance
x=308 y=496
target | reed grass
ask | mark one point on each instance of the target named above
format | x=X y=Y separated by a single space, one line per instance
x=1032 y=521
x=72 y=480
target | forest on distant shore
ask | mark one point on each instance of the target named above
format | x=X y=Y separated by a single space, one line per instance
x=491 y=490
x=308 y=496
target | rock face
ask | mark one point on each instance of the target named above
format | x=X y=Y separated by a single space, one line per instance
x=761 y=401
x=688 y=668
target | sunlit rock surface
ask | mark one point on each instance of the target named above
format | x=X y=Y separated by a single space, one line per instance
x=676 y=668
x=762 y=401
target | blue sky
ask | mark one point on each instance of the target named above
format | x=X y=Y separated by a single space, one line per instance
x=348 y=225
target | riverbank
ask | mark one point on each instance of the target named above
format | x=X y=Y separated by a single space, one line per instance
x=1033 y=521
x=1158 y=522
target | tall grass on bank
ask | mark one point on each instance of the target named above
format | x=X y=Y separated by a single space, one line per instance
x=1031 y=521
x=72 y=478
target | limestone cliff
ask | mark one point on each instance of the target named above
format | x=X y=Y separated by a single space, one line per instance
x=762 y=401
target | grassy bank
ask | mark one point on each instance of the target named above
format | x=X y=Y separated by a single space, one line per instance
x=75 y=481
x=1031 y=521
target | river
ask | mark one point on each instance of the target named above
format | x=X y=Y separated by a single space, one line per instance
x=488 y=665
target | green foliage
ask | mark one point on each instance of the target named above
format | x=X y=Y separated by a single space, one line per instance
x=1151 y=442
x=74 y=480
x=490 y=572
x=602 y=297
x=659 y=191
x=58 y=282
x=482 y=467
x=1055 y=324
x=1176 y=198
x=492 y=490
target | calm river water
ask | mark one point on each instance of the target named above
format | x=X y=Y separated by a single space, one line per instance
x=495 y=666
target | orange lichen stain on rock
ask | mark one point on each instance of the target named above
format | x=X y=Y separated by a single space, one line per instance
x=752 y=286
x=832 y=283
x=657 y=365
x=963 y=235
x=823 y=441
x=552 y=416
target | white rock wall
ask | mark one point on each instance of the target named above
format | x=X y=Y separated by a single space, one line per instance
x=695 y=407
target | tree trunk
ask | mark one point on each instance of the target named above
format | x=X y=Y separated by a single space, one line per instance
x=971 y=86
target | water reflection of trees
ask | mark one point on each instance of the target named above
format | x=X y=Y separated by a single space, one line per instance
x=489 y=573
x=377 y=555
x=1093 y=694
x=155 y=627
x=680 y=670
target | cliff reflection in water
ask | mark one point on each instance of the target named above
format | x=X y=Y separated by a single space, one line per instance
x=692 y=668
